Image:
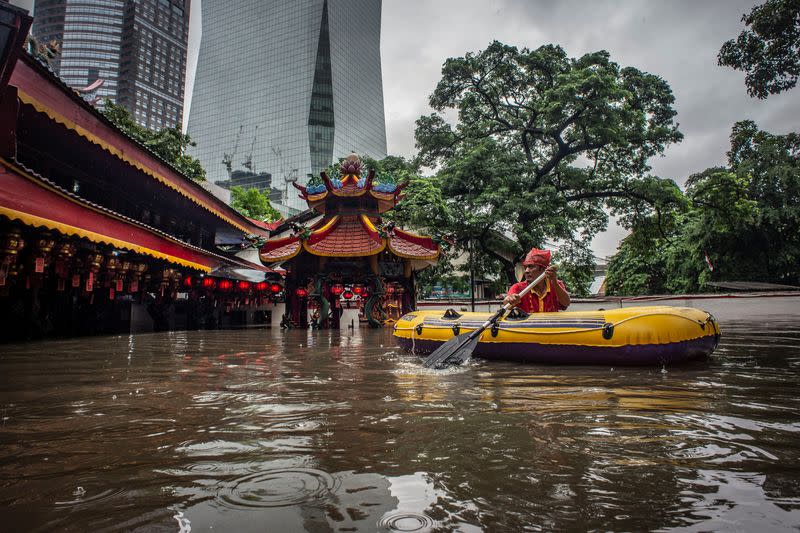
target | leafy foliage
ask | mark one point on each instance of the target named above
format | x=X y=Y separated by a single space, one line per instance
x=745 y=217
x=541 y=145
x=169 y=143
x=769 y=52
x=254 y=204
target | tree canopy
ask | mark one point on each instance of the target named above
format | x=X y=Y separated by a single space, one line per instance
x=169 y=143
x=768 y=52
x=254 y=204
x=745 y=218
x=541 y=144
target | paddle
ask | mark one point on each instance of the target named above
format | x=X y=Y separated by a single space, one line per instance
x=458 y=349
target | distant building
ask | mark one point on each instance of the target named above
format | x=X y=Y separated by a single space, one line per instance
x=137 y=47
x=284 y=88
x=250 y=180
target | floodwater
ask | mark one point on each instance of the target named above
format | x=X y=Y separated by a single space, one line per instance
x=263 y=430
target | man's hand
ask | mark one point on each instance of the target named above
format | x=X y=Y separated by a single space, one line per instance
x=552 y=273
x=513 y=299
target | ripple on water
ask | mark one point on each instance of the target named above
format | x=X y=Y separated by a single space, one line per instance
x=407 y=522
x=277 y=488
x=88 y=495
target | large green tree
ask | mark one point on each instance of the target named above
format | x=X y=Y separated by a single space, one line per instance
x=254 y=204
x=541 y=145
x=744 y=217
x=169 y=144
x=769 y=51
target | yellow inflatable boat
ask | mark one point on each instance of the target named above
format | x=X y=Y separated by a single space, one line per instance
x=627 y=336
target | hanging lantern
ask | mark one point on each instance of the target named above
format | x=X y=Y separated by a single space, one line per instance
x=225 y=284
x=187 y=282
x=11 y=244
x=66 y=250
x=390 y=289
x=113 y=263
x=275 y=288
x=93 y=261
x=358 y=289
x=348 y=295
x=209 y=283
x=301 y=292
x=337 y=289
x=262 y=286
x=243 y=285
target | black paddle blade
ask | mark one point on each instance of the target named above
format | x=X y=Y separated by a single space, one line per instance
x=454 y=352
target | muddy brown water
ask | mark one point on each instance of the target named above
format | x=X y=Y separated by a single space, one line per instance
x=263 y=430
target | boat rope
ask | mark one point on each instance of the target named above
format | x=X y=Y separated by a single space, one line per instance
x=701 y=323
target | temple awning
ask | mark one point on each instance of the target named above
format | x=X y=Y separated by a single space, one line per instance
x=37 y=202
x=44 y=92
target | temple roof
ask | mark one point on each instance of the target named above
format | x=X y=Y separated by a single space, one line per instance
x=41 y=89
x=377 y=197
x=349 y=236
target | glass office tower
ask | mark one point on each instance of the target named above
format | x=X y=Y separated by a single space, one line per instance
x=137 y=47
x=283 y=88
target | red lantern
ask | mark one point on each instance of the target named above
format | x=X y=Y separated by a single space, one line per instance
x=209 y=283
x=262 y=286
x=187 y=281
x=337 y=289
x=225 y=284
x=358 y=289
x=347 y=295
x=275 y=288
x=244 y=285
x=390 y=289
x=301 y=292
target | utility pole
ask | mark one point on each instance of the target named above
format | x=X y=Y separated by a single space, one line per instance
x=471 y=276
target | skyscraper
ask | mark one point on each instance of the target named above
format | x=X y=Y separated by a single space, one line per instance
x=284 y=87
x=137 y=47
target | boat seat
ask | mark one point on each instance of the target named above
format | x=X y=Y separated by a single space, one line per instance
x=451 y=314
x=517 y=314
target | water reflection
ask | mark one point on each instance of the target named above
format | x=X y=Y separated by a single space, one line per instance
x=338 y=431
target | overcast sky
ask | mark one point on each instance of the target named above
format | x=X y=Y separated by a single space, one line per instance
x=676 y=39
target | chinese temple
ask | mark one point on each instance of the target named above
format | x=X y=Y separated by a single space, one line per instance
x=97 y=233
x=348 y=257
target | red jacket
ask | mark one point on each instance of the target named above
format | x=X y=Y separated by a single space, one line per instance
x=533 y=303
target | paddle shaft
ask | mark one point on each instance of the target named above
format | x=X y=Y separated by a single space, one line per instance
x=507 y=307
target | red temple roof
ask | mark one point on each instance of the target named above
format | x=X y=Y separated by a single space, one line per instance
x=349 y=236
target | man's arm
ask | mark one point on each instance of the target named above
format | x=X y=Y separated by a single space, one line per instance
x=561 y=292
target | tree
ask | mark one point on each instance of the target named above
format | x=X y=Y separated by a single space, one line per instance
x=169 y=144
x=254 y=204
x=542 y=144
x=769 y=52
x=745 y=217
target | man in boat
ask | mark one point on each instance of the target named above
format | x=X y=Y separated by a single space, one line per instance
x=550 y=295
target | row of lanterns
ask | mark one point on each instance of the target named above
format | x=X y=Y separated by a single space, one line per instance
x=229 y=285
x=351 y=291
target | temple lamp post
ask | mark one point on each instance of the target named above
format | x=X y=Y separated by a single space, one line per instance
x=14 y=26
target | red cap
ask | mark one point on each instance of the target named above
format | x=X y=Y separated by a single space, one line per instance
x=538 y=257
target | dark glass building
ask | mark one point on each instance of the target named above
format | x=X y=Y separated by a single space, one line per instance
x=285 y=88
x=137 y=47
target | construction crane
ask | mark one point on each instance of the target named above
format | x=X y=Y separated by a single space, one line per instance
x=288 y=177
x=227 y=159
x=248 y=161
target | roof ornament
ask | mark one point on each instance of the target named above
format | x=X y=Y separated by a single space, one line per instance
x=352 y=165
